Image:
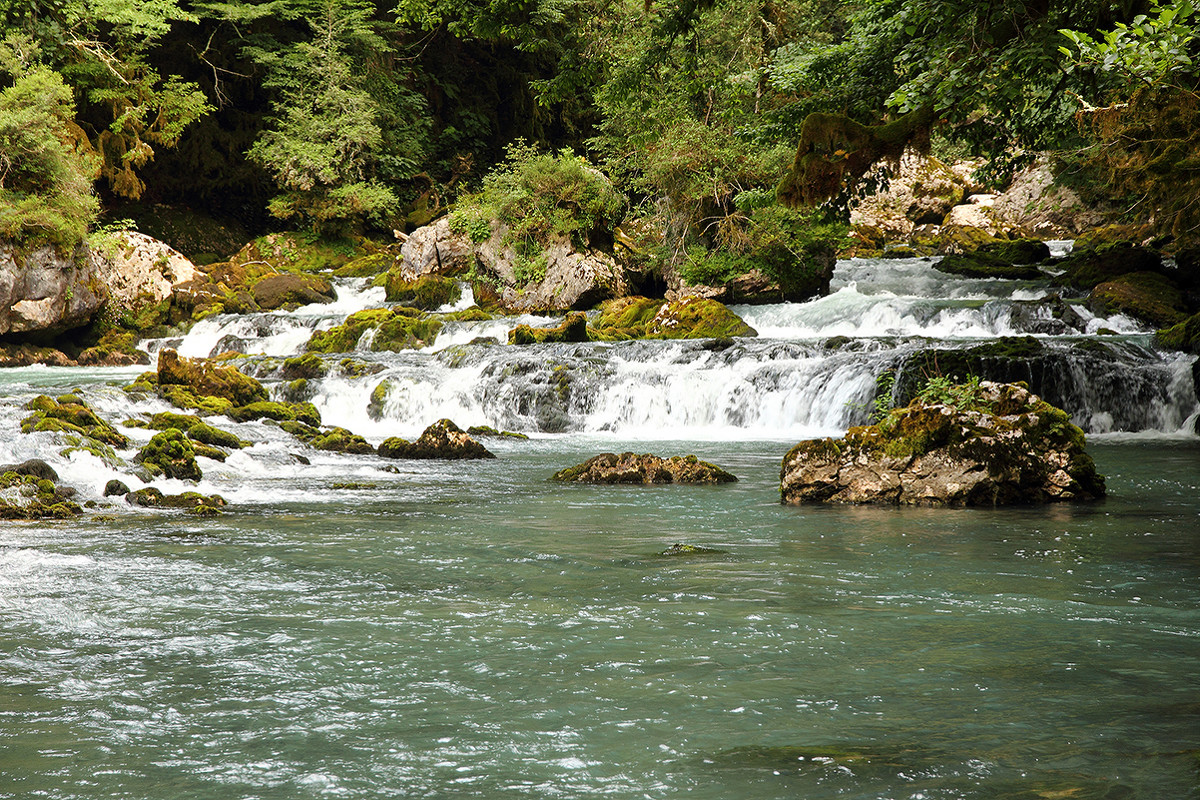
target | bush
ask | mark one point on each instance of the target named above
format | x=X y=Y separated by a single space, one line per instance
x=540 y=197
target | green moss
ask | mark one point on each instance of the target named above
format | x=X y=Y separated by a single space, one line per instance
x=203 y=432
x=208 y=451
x=308 y=366
x=170 y=454
x=1085 y=268
x=980 y=264
x=168 y=419
x=340 y=440
x=646 y=318
x=472 y=314
x=572 y=329
x=366 y=266
x=305 y=413
x=428 y=292
x=182 y=397
x=487 y=430
x=205 y=378
x=1182 y=336
x=395 y=329
x=379 y=396
x=1147 y=296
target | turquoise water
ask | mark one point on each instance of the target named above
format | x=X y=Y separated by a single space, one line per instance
x=473 y=630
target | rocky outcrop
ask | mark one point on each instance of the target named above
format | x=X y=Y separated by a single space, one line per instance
x=443 y=439
x=45 y=292
x=1035 y=203
x=647 y=318
x=923 y=191
x=1147 y=296
x=998 y=444
x=566 y=278
x=644 y=469
x=571 y=329
x=138 y=269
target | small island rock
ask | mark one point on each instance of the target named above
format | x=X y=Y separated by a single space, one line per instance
x=442 y=439
x=1003 y=446
x=644 y=469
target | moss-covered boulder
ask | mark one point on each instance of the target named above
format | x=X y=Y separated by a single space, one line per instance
x=571 y=329
x=307 y=366
x=291 y=291
x=69 y=414
x=368 y=266
x=202 y=377
x=1085 y=268
x=1147 y=296
x=427 y=292
x=984 y=444
x=1184 y=336
x=391 y=329
x=340 y=440
x=643 y=469
x=25 y=496
x=1018 y=251
x=191 y=502
x=489 y=431
x=171 y=455
x=979 y=264
x=442 y=439
x=647 y=318
x=306 y=413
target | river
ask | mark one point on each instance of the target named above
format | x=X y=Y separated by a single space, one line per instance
x=362 y=628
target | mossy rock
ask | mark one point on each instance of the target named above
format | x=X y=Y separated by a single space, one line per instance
x=681 y=549
x=308 y=366
x=629 y=468
x=394 y=329
x=572 y=329
x=305 y=413
x=168 y=419
x=204 y=378
x=647 y=318
x=441 y=440
x=899 y=251
x=340 y=440
x=379 y=396
x=208 y=451
x=1085 y=268
x=1183 y=336
x=170 y=454
x=357 y=368
x=367 y=266
x=979 y=264
x=193 y=502
x=1017 y=251
x=1147 y=296
x=428 y=292
x=73 y=416
x=1112 y=234
x=290 y=252
x=472 y=314
x=182 y=397
x=962 y=239
x=207 y=434
x=489 y=431
x=291 y=291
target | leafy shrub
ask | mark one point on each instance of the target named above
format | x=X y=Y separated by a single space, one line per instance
x=540 y=197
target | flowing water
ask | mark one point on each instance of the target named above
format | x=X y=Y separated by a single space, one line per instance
x=362 y=628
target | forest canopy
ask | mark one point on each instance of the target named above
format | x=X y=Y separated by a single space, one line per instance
x=339 y=116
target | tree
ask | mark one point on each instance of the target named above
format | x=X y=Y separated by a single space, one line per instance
x=45 y=180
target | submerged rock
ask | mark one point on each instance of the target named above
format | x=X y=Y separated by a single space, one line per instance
x=442 y=439
x=994 y=444
x=645 y=469
x=680 y=549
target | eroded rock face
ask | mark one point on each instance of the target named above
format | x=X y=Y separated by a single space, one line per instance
x=436 y=250
x=135 y=266
x=442 y=439
x=46 y=292
x=644 y=469
x=1007 y=447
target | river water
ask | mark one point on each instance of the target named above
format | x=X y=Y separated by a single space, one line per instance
x=360 y=628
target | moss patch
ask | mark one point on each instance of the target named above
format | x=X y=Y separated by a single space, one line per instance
x=393 y=329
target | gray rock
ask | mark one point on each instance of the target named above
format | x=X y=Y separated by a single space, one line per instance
x=34 y=466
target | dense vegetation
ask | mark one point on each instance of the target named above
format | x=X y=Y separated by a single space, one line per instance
x=339 y=116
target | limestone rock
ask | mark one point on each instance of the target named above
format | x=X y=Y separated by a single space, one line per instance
x=434 y=249
x=572 y=329
x=291 y=290
x=442 y=439
x=136 y=267
x=46 y=292
x=648 y=318
x=1005 y=446
x=643 y=469
x=1033 y=202
x=923 y=191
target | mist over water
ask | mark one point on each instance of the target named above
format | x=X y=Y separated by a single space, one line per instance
x=356 y=627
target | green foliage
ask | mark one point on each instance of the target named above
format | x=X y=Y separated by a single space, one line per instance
x=963 y=395
x=45 y=181
x=540 y=198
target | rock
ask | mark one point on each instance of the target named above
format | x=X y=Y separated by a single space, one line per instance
x=1182 y=336
x=137 y=268
x=428 y=292
x=394 y=329
x=434 y=249
x=1034 y=202
x=44 y=293
x=442 y=439
x=1018 y=251
x=115 y=488
x=487 y=430
x=975 y=216
x=34 y=467
x=1051 y=315
x=69 y=414
x=1147 y=296
x=170 y=454
x=340 y=440
x=923 y=191
x=647 y=318
x=192 y=502
x=979 y=264
x=953 y=238
x=202 y=377
x=1002 y=446
x=1085 y=269
x=304 y=413
x=644 y=469
x=680 y=549
x=572 y=329
x=291 y=291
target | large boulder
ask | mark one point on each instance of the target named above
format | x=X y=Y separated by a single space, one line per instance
x=292 y=290
x=171 y=455
x=45 y=292
x=434 y=249
x=648 y=318
x=1034 y=202
x=137 y=268
x=643 y=469
x=986 y=444
x=1147 y=296
x=442 y=439
x=206 y=379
